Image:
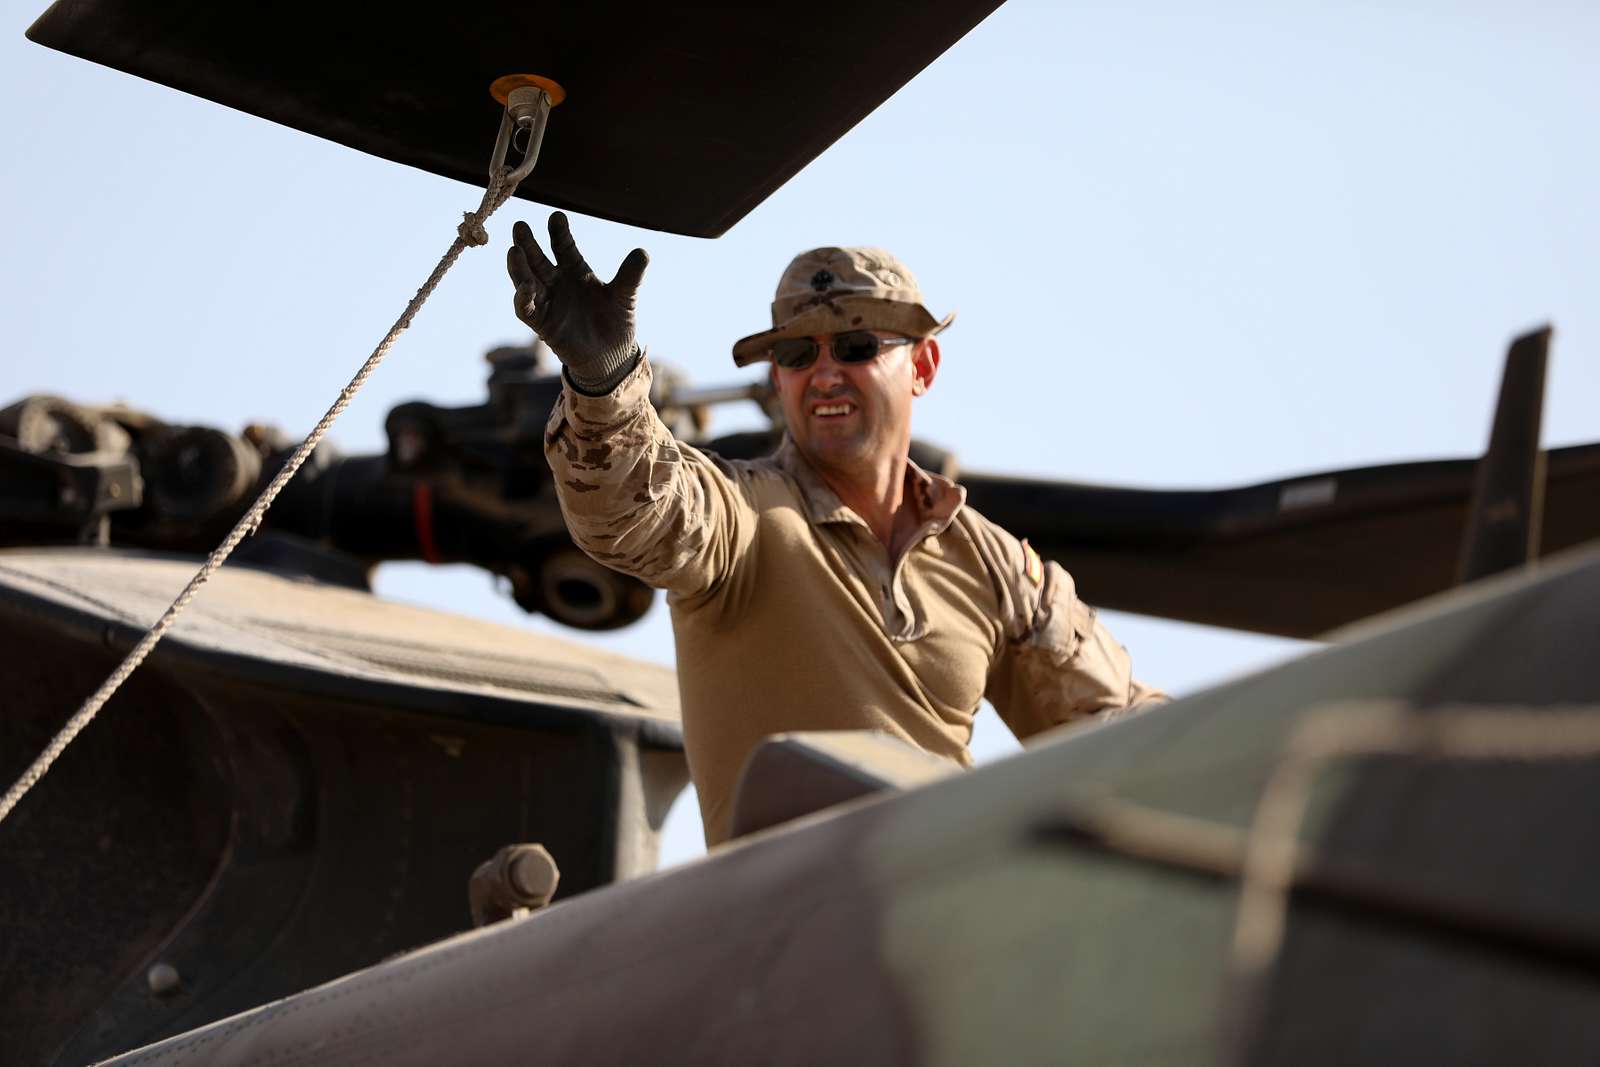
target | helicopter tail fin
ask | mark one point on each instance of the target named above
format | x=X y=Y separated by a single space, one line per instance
x=1507 y=506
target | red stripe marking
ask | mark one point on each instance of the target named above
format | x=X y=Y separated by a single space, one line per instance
x=422 y=515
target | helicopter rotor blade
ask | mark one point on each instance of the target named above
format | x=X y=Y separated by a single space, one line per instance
x=1295 y=557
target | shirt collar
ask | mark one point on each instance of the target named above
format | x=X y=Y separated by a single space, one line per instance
x=936 y=498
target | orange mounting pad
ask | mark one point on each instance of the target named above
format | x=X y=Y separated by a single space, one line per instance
x=501 y=87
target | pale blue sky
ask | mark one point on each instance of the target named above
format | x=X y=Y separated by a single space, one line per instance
x=1191 y=246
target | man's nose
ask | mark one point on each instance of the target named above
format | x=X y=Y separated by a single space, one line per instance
x=827 y=372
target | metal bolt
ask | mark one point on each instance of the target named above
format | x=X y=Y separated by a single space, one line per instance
x=533 y=874
x=518 y=879
x=164 y=979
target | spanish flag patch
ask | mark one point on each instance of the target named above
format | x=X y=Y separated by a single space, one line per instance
x=1033 y=564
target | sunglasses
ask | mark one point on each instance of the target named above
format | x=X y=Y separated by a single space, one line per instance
x=855 y=346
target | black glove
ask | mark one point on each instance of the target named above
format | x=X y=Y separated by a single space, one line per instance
x=587 y=323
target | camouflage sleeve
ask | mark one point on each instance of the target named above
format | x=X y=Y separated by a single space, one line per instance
x=638 y=501
x=1058 y=662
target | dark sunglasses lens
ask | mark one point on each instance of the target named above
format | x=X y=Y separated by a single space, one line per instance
x=857 y=346
x=794 y=353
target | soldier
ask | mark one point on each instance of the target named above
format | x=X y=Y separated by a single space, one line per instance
x=833 y=585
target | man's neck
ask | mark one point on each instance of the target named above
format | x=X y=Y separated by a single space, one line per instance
x=879 y=497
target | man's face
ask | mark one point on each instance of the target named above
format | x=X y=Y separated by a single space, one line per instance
x=845 y=417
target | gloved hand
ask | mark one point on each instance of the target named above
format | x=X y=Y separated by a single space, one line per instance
x=587 y=323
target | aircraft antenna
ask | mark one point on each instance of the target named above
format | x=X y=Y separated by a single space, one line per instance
x=527 y=100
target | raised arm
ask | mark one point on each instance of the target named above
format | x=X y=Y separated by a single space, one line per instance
x=634 y=499
x=587 y=323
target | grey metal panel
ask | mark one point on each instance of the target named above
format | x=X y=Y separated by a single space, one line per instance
x=334 y=640
x=299 y=781
x=932 y=926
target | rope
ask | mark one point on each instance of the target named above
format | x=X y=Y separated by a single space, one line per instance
x=471 y=233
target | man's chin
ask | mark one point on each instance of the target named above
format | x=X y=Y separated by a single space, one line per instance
x=839 y=455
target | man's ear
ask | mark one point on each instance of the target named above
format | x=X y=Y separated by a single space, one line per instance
x=924 y=365
x=772 y=376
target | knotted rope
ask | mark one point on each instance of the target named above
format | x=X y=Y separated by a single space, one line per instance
x=471 y=232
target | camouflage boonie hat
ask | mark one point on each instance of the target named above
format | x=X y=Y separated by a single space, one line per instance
x=830 y=290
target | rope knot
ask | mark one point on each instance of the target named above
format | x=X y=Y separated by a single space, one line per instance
x=471 y=229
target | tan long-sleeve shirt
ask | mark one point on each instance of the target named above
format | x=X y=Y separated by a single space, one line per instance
x=790 y=615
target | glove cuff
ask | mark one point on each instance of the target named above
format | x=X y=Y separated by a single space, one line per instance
x=599 y=376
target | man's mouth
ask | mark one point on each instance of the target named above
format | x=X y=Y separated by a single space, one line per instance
x=834 y=410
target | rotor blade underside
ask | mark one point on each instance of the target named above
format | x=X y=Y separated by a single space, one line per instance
x=678 y=117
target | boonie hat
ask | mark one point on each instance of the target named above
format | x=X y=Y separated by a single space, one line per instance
x=830 y=290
